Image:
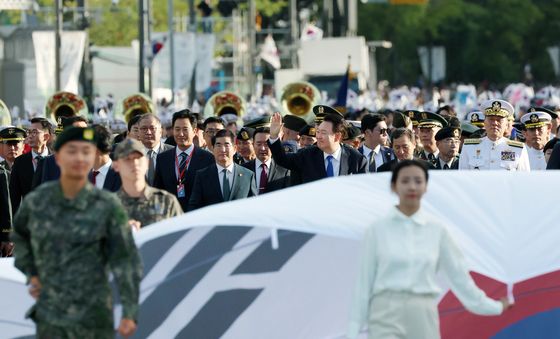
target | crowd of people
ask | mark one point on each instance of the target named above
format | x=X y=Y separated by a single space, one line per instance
x=156 y=171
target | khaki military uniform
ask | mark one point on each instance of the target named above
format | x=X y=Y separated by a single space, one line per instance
x=153 y=206
x=71 y=245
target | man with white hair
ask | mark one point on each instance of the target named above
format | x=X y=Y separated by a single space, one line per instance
x=536 y=129
x=494 y=151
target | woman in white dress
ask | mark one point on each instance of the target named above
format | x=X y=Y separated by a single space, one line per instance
x=396 y=292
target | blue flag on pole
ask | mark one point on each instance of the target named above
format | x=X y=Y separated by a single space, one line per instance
x=340 y=104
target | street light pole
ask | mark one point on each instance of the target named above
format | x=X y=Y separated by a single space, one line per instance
x=141 y=56
x=57 y=43
x=171 y=25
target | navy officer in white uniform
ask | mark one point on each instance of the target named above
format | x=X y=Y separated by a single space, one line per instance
x=494 y=151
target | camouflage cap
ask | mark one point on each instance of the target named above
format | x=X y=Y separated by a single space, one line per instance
x=127 y=147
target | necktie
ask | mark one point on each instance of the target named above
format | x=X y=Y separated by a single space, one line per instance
x=330 y=169
x=431 y=157
x=264 y=179
x=182 y=162
x=445 y=167
x=94 y=176
x=151 y=167
x=225 y=188
x=372 y=166
x=36 y=161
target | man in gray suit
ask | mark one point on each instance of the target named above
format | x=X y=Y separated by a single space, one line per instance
x=224 y=180
x=150 y=135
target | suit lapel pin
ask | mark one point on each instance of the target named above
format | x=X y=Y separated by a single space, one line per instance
x=240 y=174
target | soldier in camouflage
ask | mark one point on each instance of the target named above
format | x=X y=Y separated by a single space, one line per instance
x=144 y=204
x=68 y=235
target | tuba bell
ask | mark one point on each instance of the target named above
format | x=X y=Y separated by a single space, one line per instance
x=298 y=98
x=5 y=117
x=65 y=105
x=225 y=103
x=133 y=105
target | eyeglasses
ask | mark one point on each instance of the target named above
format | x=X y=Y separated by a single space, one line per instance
x=151 y=128
x=211 y=131
x=450 y=141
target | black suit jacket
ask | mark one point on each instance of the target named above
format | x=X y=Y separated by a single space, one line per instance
x=112 y=182
x=5 y=206
x=387 y=154
x=278 y=176
x=310 y=161
x=389 y=166
x=166 y=179
x=47 y=170
x=207 y=190
x=21 y=179
x=454 y=164
x=554 y=161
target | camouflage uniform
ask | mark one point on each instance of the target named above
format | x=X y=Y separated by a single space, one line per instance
x=71 y=245
x=153 y=206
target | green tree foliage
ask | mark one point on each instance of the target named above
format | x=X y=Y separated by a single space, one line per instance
x=484 y=39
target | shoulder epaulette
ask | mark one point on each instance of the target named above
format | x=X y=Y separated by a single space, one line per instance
x=473 y=141
x=514 y=143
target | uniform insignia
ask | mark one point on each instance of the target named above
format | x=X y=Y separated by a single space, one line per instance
x=474 y=117
x=514 y=143
x=321 y=109
x=532 y=109
x=88 y=134
x=508 y=155
x=496 y=106
x=534 y=118
x=478 y=153
x=245 y=135
x=474 y=141
x=411 y=114
x=424 y=116
x=11 y=131
x=312 y=131
x=456 y=133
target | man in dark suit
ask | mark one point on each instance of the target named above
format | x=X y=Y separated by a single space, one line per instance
x=375 y=130
x=47 y=169
x=6 y=246
x=103 y=175
x=224 y=180
x=554 y=160
x=428 y=125
x=328 y=158
x=150 y=136
x=404 y=144
x=176 y=168
x=448 y=140
x=25 y=165
x=268 y=175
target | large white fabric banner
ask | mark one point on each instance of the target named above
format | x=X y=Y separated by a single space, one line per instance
x=283 y=265
x=71 y=56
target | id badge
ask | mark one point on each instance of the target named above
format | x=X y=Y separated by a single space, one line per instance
x=180 y=191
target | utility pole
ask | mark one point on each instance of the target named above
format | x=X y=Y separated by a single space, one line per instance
x=252 y=44
x=149 y=21
x=141 y=57
x=293 y=32
x=171 y=24
x=191 y=27
x=57 y=43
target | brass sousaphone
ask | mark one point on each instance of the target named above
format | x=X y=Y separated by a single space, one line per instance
x=225 y=103
x=298 y=98
x=133 y=105
x=5 y=117
x=65 y=105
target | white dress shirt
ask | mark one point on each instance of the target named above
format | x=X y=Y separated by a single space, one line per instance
x=258 y=170
x=536 y=159
x=188 y=151
x=44 y=154
x=155 y=154
x=335 y=161
x=403 y=254
x=229 y=175
x=100 y=178
x=443 y=163
x=376 y=155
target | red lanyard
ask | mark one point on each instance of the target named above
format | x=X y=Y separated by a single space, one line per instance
x=181 y=174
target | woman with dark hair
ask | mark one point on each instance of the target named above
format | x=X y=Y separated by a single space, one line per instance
x=396 y=293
